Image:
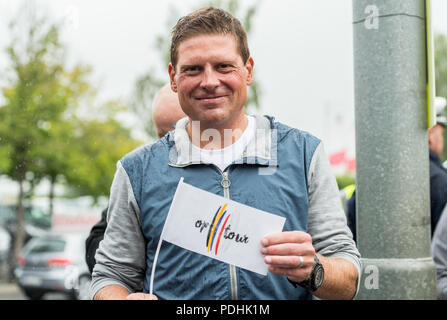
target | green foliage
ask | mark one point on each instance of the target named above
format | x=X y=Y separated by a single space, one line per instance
x=441 y=64
x=96 y=148
x=344 y=181
x=35 y=96
x=146 y=87
x=41 y=133
x=5 y=151
x=41 y=136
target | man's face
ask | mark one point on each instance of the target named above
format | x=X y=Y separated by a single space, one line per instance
x=211 y=79
x=436 y=139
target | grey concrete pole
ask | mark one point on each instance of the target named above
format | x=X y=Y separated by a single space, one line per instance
x=393 y=202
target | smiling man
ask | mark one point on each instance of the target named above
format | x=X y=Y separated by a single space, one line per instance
x=218 y=148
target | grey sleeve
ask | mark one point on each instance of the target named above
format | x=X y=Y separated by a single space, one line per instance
x=327 y=223
x=439 y=253
x=121 y=255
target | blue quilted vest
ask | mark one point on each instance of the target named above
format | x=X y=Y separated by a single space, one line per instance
x=155 y=170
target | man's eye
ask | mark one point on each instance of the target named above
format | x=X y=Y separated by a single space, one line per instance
x=225 y=68
x=191 y=69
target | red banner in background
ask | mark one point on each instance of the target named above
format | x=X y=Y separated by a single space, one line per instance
x=337 y=158
x=341 y=158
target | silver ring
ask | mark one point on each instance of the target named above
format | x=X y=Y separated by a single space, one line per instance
x=301 y=262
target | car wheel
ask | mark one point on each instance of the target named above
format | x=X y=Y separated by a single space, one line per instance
x=33 y=294
x=82 y=292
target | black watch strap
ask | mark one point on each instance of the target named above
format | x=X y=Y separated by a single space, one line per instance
x=310 y=283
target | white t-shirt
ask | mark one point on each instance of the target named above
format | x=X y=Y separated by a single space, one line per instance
x=222 y=158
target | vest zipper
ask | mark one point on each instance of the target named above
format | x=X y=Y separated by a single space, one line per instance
x=226 y=186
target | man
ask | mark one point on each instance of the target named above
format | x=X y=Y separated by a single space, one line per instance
x=438 y=174
x=210 y=70
x=439 y=253
x=166 y=111
x=438 y=180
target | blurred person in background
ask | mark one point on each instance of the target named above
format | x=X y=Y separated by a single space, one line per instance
x=439 y=253
x=438 y=178
x=438 y=173
x=166 y=111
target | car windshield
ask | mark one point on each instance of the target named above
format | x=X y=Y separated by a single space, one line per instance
x=6 y=214
x=33 y=215
x=37 y=217
x=47 y=245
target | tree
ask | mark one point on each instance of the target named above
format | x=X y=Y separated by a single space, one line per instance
x=41 y=133
x=147 y=85
x=35 y=96
x=96 y=147
x=52 y=155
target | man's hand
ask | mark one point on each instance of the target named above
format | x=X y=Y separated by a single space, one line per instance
x=141 y=296
x=282 y=254
x=283 y=251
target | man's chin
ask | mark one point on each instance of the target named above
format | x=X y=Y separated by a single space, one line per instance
x=215 y=118
x=211 y=122
x=212 y=115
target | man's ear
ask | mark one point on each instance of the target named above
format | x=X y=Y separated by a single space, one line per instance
x=171 y=71
x=430 y=137
x=249 y=65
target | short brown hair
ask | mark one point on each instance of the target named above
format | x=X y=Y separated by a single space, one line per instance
x=209 y=21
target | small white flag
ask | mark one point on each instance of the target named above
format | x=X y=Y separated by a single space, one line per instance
x=219 y=228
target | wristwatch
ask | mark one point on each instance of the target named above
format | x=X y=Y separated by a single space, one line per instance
x=315 y=279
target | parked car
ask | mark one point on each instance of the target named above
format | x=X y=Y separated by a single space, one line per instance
x=5 y=244
x=54 y=263
x=37 y=224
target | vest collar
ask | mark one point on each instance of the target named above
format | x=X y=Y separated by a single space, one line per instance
x=261 y=150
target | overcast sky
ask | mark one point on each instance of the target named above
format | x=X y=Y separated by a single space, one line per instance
x=302 y=51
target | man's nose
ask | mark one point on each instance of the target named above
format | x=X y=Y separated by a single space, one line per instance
x=210 y=79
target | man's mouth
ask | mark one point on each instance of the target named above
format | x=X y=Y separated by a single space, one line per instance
x=210 y=99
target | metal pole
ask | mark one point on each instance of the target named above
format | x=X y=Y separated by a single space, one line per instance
x=393 y=199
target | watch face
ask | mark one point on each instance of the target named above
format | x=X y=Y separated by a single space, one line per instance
x=319 y=275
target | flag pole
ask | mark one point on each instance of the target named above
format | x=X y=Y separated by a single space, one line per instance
x=154 y=264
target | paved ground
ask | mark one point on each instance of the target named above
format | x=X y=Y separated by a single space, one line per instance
x=10 y=291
